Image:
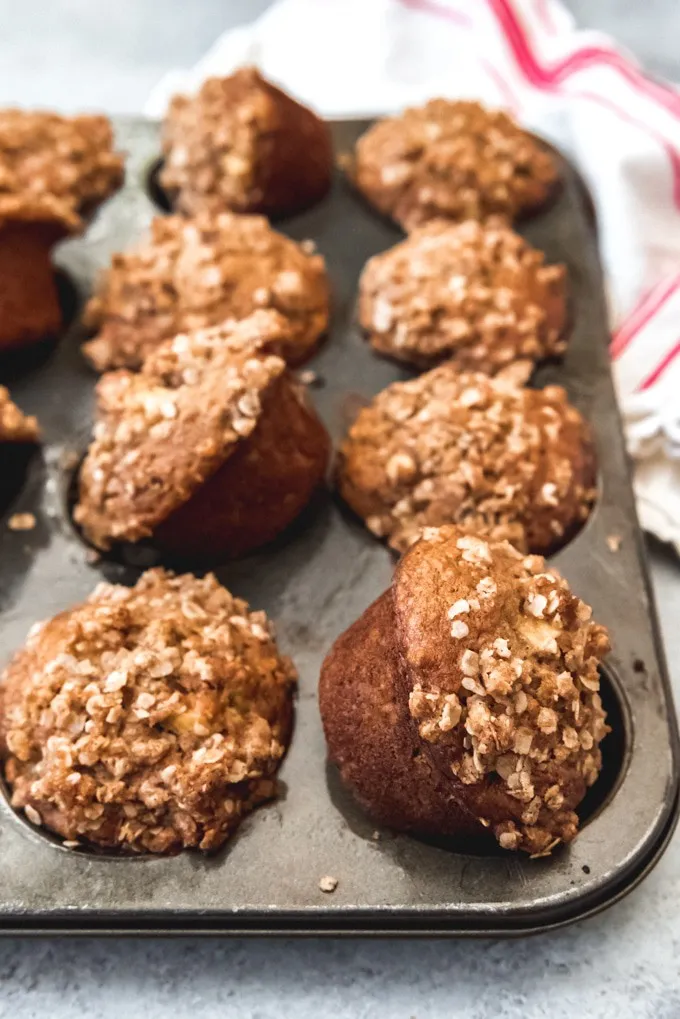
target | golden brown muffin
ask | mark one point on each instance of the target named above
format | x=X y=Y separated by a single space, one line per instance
x=243 y=144
x=477 y=294
x=190 y=274
x=211 y=450
x=495 y=662
x=150 y=718
x=464 y=448
x=53 y=172
x=452 y=160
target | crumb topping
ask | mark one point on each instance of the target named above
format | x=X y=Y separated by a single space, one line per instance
x=477 y=293
x=14 y=425
x=162 y=431
x=515 y=695
x=195 y=273
x=148 y=718
x=55 y=167
x=484 y=453
x=452 y=160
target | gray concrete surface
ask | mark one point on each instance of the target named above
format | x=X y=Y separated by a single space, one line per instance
x=75 y=54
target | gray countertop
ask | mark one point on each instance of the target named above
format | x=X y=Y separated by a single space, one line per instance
x=75 y=54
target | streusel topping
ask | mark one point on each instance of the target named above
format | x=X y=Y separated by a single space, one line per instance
x=452 y=160
x=14 y=425
x=502 y=661
x=147 y=718
x=478 y=294
x=194 y=273
x=58 y=167
x=162 y=431
x=464 y=448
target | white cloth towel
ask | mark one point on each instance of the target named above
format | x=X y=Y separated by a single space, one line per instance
x=578 y=89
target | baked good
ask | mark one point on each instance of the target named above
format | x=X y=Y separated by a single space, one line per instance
x=150 y=718
x=478 y=451
x=190 y=274
x=54 y=171
x=243 y=144
x=210 y=450
x=455 y=160
x=489 y=666
x=15 y=426
x=474 y=293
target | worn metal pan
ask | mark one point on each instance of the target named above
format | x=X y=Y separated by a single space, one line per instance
x=314 y=582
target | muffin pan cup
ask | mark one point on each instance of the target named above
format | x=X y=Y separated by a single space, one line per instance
x=314 y=581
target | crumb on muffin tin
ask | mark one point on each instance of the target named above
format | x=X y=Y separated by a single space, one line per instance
x=15 y=426
x=150 y=718
x=195 y=273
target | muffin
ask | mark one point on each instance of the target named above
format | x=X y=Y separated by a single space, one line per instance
x=484 y=664
x=211 y=450
x=476 y=294
x=190 y=274
x=464 y=448
x=242 y=144
x=150 y=718
x=54 y=171
x=452 y=160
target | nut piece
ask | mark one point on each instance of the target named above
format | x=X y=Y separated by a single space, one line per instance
x=150 y=718
x=196 y=273
x=452 y=160
x=478 y=294
x=454 y=447
x=15 y=426
x=21 y=522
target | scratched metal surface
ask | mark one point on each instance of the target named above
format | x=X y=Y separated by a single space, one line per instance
x=314 y=583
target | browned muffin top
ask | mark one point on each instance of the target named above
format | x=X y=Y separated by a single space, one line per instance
x=55 y=167
x=161 y=432
x=14 y=425
x=190 y=274
x=241 y=143
x=502 y=669
x=485 y=453
x=148 y=718
x=453 y=160
x=479 y=294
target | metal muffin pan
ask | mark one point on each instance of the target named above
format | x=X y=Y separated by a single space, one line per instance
x=314 y=582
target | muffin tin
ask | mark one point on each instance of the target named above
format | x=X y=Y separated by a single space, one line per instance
x=314 y=582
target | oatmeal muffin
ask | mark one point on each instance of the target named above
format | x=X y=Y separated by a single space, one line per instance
x=150 y=718
x=54 y=171
x=452 y=160
x=243 y=144
x=463 y=448
x=190 y=274
x=211 y=450
x=489 y=665
x=477 y=294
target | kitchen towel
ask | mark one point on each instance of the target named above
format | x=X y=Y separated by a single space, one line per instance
x=578 y=89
